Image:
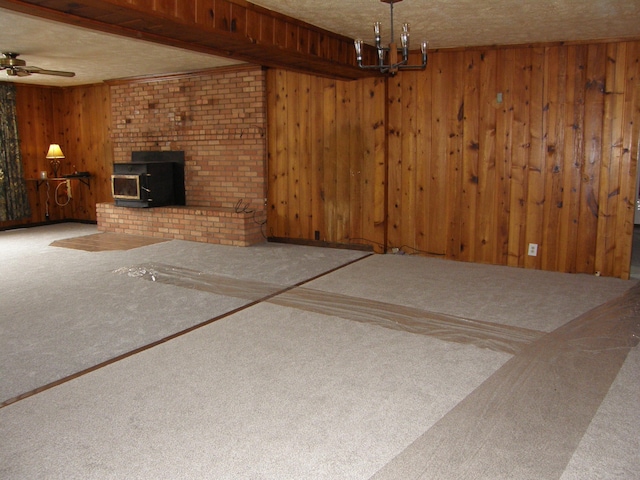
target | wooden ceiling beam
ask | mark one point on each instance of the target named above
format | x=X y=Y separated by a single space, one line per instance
x=229 y=28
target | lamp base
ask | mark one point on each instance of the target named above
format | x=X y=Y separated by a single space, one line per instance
x=55 y=165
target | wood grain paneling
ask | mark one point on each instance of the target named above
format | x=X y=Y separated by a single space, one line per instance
x=487 y=151
x=34 y=111
x=85 y=113
x=326 y=158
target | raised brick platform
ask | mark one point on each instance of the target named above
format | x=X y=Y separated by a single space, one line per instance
x=224 y=226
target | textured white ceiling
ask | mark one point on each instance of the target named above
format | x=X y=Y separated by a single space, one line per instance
x=459 y=23
x=93 y=56
x=96 y=56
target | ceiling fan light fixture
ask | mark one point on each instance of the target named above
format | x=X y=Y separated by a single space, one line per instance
x=10 y=59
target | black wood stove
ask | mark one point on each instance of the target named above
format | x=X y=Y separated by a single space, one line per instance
x=151 y=179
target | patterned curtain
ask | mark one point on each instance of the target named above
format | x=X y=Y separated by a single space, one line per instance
x=14 y=202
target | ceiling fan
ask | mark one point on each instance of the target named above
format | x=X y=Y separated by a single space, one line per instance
x=16 y=67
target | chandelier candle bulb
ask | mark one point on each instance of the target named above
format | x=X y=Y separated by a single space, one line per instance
x=405 y=33
x=358 y=44
x=424 y=46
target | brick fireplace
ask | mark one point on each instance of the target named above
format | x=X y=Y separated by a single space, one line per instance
x=218 y=119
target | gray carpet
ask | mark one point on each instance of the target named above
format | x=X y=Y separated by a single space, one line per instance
x=388 y=367
x=536 y=407
x=66 y=310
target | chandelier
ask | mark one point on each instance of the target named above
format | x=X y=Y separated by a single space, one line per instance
x=391 y=59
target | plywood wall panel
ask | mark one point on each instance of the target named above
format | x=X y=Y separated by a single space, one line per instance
x=316 y=155
x=278 y=169
x=487 y=181
x=536 y=167
x=455 y=137
x=520 y=153
x=328 y=199
x=394 y=165
x=470 y=155
x=341 y=171
x=34 y=111
x=357 y=171
x=304 y=186
x=552 y=137
x=437 y=181
x=611 y=154
x=572 y=148
x=504 y=150
x=293 y=170
x=423 y=153
x=593 y=124
x=405 y=166
x=628 y=163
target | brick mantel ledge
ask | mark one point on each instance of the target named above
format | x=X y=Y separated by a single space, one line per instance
x=219 y=225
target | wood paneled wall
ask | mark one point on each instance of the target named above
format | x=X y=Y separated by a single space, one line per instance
x=482 y=154
x=85 y=116
x=326 y=168
x=79 y=119
x=34 y=111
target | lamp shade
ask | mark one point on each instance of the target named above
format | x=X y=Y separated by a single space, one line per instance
x=55 y=151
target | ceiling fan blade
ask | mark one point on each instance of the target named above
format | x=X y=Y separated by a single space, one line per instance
x=48 y=72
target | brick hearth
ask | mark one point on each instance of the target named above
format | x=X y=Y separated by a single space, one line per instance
x=224 y=226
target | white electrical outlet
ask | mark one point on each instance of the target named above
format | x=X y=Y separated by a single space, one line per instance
x=69 y=188
x=533 y=249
